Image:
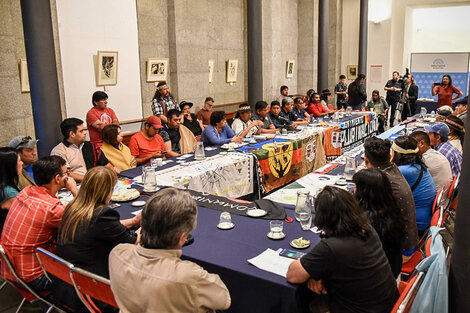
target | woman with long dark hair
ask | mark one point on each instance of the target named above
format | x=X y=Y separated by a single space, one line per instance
x=374 y=193
x=10 y=168
x=118 y=154
x=411 y=165
x=348 y=264
x=445 y=90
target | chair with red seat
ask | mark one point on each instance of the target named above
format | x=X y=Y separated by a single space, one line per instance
x=89 y=285
x=27 y=292
x=427 y=247
x=407 y=296
x=437 y=199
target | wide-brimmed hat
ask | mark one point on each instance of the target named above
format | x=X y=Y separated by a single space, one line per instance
x=22 y=142
x=184 y=103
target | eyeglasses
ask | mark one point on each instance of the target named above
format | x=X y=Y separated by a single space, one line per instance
x=24 y=141
x=67 y=172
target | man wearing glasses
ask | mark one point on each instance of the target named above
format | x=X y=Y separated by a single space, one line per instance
x=33 y=220
x=26 y=147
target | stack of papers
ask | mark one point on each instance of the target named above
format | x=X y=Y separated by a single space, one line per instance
x=271 y=261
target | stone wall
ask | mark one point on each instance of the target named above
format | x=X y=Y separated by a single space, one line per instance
x=17 y=115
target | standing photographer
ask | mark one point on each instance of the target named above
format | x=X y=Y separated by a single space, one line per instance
x=445 y=90
x=393 y=88
x=410 y=94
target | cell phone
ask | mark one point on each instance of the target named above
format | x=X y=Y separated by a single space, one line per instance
x=437 y=84
x=114 y=205
x=291 y=254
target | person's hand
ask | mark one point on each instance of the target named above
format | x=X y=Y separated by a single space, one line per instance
x=317 y=286
x=293 y=126
x=406 y=96
x=157 y=154
x=138 y=235
x=237 y=139
x=258 y=123
x=137 y=219
x=71 y=185
x=116 y=170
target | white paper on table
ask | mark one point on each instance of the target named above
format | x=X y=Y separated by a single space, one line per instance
x=136 y=212
x=271 y=261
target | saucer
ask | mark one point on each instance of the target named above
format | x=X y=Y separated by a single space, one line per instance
x=226 y=226
x=151 y=190
x=276 y=236
x=256 y=213
x=138 y=203
x=293 y=245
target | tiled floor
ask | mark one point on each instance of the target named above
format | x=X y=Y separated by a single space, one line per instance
x=10 y=299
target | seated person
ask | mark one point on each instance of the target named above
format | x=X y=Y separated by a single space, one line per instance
x=178 y=138
x=10 y=167
x=405 y=154
x=98 y=117
x=315 y=108
x=456 y=131
x=261 y=114
x=348 y=264
x=79 y=154
x=218 y=132
x=288 y=112
x=204 y=114
x=300 y=110
x=378 y=105
x=279 y=121
x=34 y=219
x=461 y=106
x=190 y=119
x=153 y=269
x=443 y=112
x=148 y=144
x=437 y=164
x=118 y=154
x=325 y=98
x=243 y=125
x=26 y=147
x=89 y=231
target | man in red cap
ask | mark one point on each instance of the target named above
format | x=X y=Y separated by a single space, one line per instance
x=148 y=144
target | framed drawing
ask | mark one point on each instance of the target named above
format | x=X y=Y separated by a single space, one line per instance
x=352 y=71
x=107 y=69
x=290 y=68
x=232 y=70
x=211 y=70
x=24 y=78
x=157 y=69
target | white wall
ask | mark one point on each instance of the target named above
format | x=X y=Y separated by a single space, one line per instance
x=85 y=27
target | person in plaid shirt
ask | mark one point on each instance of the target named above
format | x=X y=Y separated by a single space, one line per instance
x=438 y=135
x=163 y=102
x=33 y=220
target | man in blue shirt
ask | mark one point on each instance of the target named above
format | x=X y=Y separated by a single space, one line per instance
x=438 y=135
x=26 y=147
x=299 y=110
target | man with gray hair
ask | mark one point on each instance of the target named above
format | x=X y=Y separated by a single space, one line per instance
x=153 y=269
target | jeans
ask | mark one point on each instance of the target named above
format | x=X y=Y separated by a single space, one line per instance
x=40 y=284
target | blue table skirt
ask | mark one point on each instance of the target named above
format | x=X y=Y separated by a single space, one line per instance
x=225 y=252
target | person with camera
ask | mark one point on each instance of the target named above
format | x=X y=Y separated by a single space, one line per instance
x=410 y=95
x=445 y=90
x=393 y=88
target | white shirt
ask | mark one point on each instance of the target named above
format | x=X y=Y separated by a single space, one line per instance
x=238 y=126
x=456 y=143
x=439 y=168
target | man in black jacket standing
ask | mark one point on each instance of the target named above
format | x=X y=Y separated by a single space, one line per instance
x=357 y=92
x=393 y=88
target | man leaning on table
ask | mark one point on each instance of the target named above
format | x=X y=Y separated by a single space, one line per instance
x=261 y=113
x=160 y=281
x=148 y=144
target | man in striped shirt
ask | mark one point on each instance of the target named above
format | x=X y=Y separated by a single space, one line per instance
x=33 y=220
x=438 y=135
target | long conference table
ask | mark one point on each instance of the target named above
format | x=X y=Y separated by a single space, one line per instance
x=225 y=252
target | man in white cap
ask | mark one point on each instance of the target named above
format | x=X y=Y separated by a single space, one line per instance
x=26 y=147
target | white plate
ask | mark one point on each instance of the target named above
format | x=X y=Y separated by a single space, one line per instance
x=277 y=236
x=125 y=195
x=226 y=226
x=256 y=213
x=138 y=203
x=151 y=190
x=230 y=146
x=298 y=247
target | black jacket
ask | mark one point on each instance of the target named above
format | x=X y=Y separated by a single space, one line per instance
x=357 y=94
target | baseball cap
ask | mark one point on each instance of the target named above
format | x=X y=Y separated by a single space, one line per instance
x=22 y=142
x=439 y=128
x=154 y=121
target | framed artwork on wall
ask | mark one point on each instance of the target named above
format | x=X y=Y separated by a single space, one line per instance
x=232 y=70
x=351 y=71
x=211 y=70
x=24 y=78
x=157 y=69
x=107 y=68
x=290 y=68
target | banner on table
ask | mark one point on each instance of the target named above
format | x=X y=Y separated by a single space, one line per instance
x=313 y=153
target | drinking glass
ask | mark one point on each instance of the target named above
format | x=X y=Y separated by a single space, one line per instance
x=305 y=220
x=199 y=153
x=225 y=219
x=276 y=227
x=423 y=112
